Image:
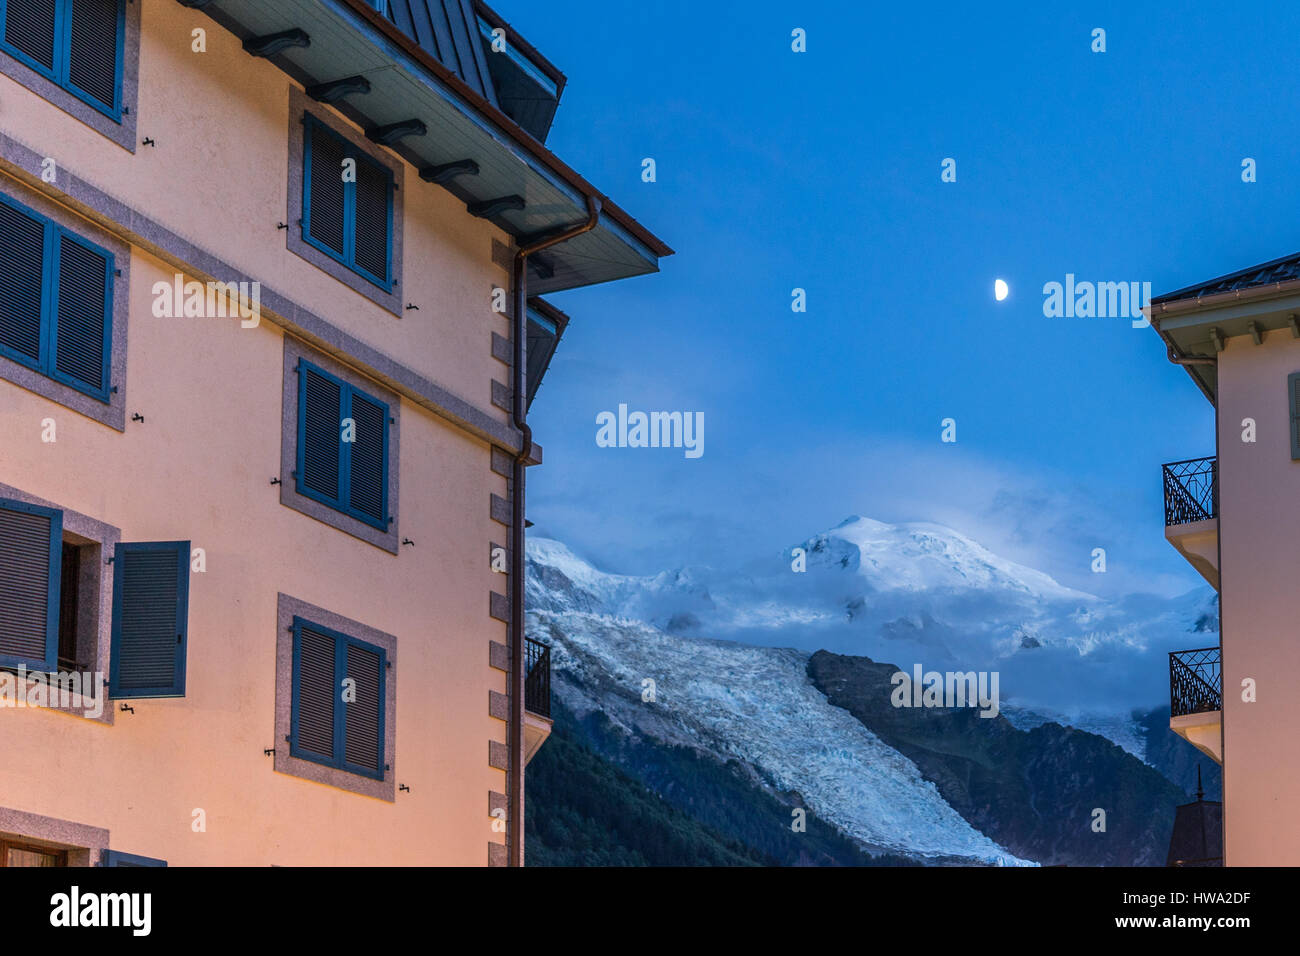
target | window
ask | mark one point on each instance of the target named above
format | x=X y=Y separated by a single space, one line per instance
x=151 y=584
x=56 y=292
x=342 y=446
x=347 y=206
x=338 y=700
x=31 y=551
x=25 y=854
x=77 y=44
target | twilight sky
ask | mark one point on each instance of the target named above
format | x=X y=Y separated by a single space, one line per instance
x=821 y=170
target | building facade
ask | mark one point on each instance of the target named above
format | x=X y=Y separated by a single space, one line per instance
x=270 y=322
x=1232 y=515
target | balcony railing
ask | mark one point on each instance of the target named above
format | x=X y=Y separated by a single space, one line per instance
x=537 y=682
x=1195 y=682
x=1191 y=490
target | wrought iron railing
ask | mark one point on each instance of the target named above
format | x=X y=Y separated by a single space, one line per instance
x=537 y=681
x=1191 y=490
x=1195 y=681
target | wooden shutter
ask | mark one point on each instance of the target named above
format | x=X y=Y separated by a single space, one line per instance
x=325 y=187
x=31 y=549
x=22 y=270
x=93 y=48
x=364 y=719
x=82 y=323
x=150 y=619
x=367 y=474
x=29 y=28
x=1293 y=399
x=373 y=212
x=320 y=413
x=314 y=691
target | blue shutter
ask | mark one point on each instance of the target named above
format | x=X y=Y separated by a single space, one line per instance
x=363 y=735
x=368 y=460
x=324 y=195
x=82 y=325
x=311 y=733
x=151 y=584
x=320 y=417
x=30 y=27
x=31 y=559
x=373 y=225
x=22 y=283
x=96 y=31
x=118 y=858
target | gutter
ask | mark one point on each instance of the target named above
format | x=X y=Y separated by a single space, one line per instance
x=519 y=404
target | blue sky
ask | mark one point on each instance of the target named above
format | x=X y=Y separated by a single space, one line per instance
x=821 y=170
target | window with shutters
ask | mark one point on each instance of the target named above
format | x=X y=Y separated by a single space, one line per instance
x=347 y=204
x=150 y=619
x=338 y=700
x=339 y=446
x=342 y=446
x=79 y=45
x=56 y=301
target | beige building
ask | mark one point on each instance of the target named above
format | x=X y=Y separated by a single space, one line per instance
x=270 y=322
x=1233 y=517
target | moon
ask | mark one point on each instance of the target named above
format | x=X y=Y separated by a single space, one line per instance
x=1000 y=289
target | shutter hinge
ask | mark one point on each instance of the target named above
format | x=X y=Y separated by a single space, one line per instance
x=268 y=751
x=402 y=787
x=275 y=481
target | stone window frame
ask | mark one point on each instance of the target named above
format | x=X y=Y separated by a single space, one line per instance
x=97 y=542
x=122 y=133
x=84 y=844
x=299 y=105
x=113 y=412
x=289 y=496
x=287 y=608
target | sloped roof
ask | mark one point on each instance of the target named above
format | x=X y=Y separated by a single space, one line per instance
x=1284 y=269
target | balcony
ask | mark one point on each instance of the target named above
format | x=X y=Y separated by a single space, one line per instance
x=537 y=696
x=1196 y=699
x=1192 y=513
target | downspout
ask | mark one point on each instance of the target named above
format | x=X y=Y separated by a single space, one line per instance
x=515 y=774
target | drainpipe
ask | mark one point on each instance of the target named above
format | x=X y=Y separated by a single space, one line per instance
x=515 y=775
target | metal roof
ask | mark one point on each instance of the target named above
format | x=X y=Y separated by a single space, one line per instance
x=407 y=81
x=1269 y=273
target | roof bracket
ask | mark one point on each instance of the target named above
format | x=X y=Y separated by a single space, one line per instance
x=1255 y=333
x=449 y=171
x=335 y=90
x=489 y=208
x=1216 y=337
x=273 y=43
x=390 y=133
x=1294 y=322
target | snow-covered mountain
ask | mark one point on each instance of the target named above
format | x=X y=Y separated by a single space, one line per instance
x=910 y=593
x=718 y=661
